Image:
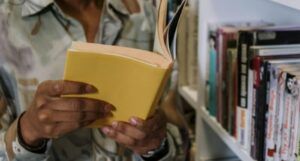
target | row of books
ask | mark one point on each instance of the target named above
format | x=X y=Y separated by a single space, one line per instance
x=187 y=47
x=253 y=87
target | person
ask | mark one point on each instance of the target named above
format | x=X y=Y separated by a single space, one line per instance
x=38 y=124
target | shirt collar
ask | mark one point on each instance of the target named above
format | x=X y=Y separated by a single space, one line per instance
x=32 y=7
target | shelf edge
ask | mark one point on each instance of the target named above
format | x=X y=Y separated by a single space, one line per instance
x=225 y=137
x=190 y=95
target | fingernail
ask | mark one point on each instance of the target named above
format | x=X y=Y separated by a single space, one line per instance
x=90 y=89
x=114 y=124
x=105 y=130
x=133 y=121
x=109 y=108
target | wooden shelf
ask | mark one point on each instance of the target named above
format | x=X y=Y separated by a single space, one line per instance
x=190 y=95
x=232 y=144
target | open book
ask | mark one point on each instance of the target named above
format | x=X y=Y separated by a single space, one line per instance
x=132 y=80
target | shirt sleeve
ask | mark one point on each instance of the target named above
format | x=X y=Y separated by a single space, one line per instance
x=10 y=148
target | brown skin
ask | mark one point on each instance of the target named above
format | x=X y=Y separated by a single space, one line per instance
x=52 y=116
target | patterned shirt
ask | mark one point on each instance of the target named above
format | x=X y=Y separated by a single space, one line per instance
x=35 y=35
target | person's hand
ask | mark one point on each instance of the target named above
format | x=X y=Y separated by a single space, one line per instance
x=52 y=116
x=138 y=135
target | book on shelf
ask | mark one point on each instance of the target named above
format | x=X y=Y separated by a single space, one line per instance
x=182 y=55
x=192 y=48
x=132 y=80
x=268 y=36
x=271 y=113
x=252 y=80
x=211 y=78
x=260 y=96
x=226 y=34
x=231 y=84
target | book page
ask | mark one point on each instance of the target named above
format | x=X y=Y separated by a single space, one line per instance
x=165 y=33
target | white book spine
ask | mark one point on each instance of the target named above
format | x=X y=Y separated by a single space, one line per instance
x=249 y=109
x=297 y=152
x=286 y=126
x=279 y=114
x=287 y=119
x=294 y=122
x=270 y=128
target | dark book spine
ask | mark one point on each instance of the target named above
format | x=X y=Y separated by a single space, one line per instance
x=261 y=109
x=268 y=37
x=244 y=42
x=256 y=65
x=231 y=85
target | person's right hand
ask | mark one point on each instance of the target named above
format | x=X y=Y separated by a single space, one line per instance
x=52 y=116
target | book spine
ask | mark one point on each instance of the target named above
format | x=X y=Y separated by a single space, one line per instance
x=220 y=113
x=243 y=46
x=244 y=41
x=294 y=120
x=296 y=152
x=250 y=123
x=212 y=76
x=261 y=106
x=232 y=53
x=192 y=48
x=279 y=114
x=182 y=48
x=272 y=110
x=286 y=125
x=256 y=63
x=268 y=37
x=297 y=149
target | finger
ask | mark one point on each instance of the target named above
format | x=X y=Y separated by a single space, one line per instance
x=61 y=87
x=129 y=130
x=80 y=104
x=50 y=116
x=119 y=137
x=61 y=129
x=137 y=122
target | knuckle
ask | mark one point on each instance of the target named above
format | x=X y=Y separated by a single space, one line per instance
x=119 y=126
x=49 y=130
x=44 y=83
x=40 y=101
x=43 y=116
x=59 y=86
x=76 y=104
x=113 y=134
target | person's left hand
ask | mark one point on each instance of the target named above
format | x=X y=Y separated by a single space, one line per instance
x=138 y=135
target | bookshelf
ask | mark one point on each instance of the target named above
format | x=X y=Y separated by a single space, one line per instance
x=212 y=140
x=224 y=136
x=190 y=95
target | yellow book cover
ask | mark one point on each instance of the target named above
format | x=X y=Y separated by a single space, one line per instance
x=132 y=80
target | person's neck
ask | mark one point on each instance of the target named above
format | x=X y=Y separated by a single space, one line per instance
x=87 y=12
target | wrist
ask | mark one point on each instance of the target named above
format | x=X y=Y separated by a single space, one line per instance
x=158 y=153
x=28 y=134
